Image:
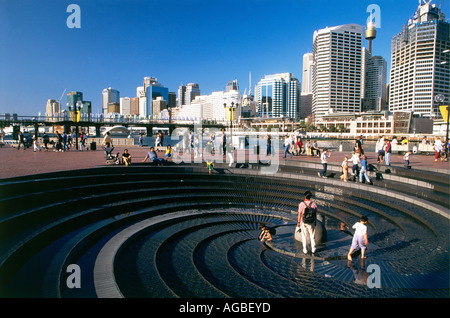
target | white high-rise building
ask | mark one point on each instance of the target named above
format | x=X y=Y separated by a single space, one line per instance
x=306 y=94
x=338 y=73
x=307 y=71
x=278 y=95
x=420 y=63
x=52 y=107
x=140 y=93
x=125 y=106
x=212 y=107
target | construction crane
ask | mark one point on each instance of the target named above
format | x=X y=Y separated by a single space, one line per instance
x=59 y=100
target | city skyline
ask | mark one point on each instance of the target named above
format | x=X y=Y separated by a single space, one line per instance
x=205 y=42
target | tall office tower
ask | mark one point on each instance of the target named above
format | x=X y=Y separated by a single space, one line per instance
x=306 y=104
x=158 y=105
x=338 y=70
x=109 y=96
x=307 y=72
x=420 y=63
x=232 y=86
x=87 y=107
x=375 y=84
x=153 y=89
x=172 y=102
x=52 y=107
x=125 y=106
x=181 y=99
x=306 y=95
x=375 y=68
x=73 y=98
x=186 y=94
x=134 y=106
x=192 y=90
x=278 y=95
x=140 y=93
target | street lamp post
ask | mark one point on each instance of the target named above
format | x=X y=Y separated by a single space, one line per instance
x=75 y=116
x=231 y=109
x=440 y=98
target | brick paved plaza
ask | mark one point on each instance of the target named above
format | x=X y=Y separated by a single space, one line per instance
x=20 y=163
x=175 y=231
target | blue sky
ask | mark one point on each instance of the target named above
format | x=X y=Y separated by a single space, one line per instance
x=208 y=42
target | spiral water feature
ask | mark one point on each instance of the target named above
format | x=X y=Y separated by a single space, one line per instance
x=175 y=231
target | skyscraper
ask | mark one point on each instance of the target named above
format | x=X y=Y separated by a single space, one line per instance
x=307 y=71
x=420 y=62
x=192 y=90
x=232 y=86
x=109 y=96
x=186 y=94
x=338 y=70
x=306 y=94
x=375 y=68
x=278 y=95
x=375 y=84
x=52 y=107
x=73 y=98
x=153 y=89
x=125 y=106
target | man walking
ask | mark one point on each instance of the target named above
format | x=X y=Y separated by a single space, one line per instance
x=287 y=146
x=324 y=159
x=307 y=220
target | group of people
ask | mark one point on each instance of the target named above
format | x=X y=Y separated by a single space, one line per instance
x=356 y=160
x=63 y=142
x=152 y=156
x=307 y=223
x=294 y=146
x=359 y=163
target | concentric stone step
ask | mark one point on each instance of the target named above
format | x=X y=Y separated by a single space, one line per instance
x=179 y=232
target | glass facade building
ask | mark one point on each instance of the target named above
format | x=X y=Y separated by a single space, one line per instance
x=375 y=84
x=73 y=98
x=278 y=95
x=153 y=91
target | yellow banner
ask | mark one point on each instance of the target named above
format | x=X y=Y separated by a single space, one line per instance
x=444 y=112
x=75 y=116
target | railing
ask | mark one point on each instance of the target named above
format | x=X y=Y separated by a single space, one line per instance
x=98 y=118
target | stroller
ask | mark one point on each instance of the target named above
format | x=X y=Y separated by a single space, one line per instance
x=110 y=158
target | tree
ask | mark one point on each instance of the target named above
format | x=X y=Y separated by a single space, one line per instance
x=311 y=127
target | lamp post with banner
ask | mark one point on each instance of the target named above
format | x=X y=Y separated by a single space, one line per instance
x=444 y=109
x=75 y=115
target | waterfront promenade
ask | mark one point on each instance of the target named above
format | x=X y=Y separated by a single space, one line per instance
x=15 y=163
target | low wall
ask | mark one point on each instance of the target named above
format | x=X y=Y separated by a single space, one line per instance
x=116 y=141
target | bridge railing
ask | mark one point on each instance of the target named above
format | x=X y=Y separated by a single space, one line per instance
x=98 y=118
